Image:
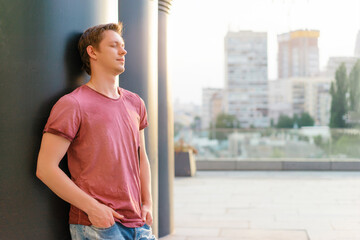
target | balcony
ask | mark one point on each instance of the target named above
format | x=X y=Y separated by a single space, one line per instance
x=273 y=184
x=271 y=205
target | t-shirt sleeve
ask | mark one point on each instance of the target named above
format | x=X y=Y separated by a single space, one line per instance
x=143 y=116
x=64 y=119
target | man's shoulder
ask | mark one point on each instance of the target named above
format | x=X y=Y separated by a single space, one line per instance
x=72 y=98
x=131 y=95
x=78 y=94
x=68 y=98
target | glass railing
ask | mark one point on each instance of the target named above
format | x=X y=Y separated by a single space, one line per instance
x=304 y=143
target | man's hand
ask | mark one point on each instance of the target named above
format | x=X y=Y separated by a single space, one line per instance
x=146 y=214
x=102 y=216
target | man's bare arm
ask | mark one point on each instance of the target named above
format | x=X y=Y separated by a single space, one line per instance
x=52 y=150
x=145 y=178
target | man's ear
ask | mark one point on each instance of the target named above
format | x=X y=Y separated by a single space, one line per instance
x=91 y=52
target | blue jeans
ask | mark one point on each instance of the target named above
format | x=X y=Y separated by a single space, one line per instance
x=115 y=232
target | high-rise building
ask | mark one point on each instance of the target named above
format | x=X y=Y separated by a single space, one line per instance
x=280 y=99
x=246 y=69
x=289 y=96
x=216 y=105
x=298 y=54
x=357 y=46
x=335 y=62
x=212 y=99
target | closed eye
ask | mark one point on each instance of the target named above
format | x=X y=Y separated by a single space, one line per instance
x=116 y=43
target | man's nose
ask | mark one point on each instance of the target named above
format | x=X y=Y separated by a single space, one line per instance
x=122 y=51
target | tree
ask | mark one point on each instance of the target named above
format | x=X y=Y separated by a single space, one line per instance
x=295 y=122
x=305 y=120
x=196 y=124
x=354 y=88
x=339 y=105
x=285 y=122
x=223 y=121
x=227 y=121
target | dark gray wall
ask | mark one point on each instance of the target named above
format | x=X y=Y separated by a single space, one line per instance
x=38 y=64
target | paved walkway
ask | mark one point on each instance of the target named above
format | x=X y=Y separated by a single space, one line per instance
x=267 y=206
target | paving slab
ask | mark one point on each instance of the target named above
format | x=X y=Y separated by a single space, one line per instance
x=267 y=205
x=257 y=234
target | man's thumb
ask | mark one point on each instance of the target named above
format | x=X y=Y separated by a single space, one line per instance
x=117 y=215
x=143 y=215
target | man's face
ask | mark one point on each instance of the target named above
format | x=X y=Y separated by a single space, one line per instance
x=111 y=52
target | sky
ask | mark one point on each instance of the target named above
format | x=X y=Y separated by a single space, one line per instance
x=196 y=31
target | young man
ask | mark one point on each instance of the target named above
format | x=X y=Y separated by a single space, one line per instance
x=100 y=126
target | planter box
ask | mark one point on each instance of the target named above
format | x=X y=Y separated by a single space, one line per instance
x=185 y=164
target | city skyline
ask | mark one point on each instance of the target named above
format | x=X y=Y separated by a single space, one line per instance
x=246 y=88
x=196 y=39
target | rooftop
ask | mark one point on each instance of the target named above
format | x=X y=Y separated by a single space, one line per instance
x=267 y=205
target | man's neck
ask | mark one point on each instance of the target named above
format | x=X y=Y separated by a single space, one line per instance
x=106 y=85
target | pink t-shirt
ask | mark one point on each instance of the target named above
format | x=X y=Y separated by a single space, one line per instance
x=103 y=156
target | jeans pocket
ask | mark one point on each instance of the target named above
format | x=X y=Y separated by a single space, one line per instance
x=102 y=229
x=146 y=226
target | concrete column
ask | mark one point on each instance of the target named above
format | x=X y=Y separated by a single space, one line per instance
x=166 y=132
x=39 y=63
x=140 y=19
